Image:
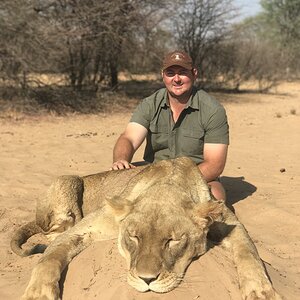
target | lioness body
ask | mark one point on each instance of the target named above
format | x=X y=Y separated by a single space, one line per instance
x=161 y=215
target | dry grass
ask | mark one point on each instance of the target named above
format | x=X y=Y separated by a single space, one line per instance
x=55 y=98
x=126 y=76
x=63 y=101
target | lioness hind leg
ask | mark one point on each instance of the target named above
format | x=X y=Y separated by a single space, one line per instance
x=61 y=208
x=57 y=212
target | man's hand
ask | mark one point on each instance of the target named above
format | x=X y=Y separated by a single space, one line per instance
x=126 y=145
x=122 y=164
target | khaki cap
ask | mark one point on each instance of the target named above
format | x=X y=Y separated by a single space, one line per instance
x=177 y=58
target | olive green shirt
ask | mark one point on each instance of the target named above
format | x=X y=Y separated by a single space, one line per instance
x=203 y=120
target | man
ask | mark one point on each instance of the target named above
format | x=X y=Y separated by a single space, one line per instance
x=178 y=120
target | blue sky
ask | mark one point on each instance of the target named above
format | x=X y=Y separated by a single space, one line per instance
x=248 y=7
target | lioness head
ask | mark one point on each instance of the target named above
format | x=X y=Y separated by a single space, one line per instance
x=160 y=238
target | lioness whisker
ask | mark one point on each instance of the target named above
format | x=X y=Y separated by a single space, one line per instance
x=183 y=288
x=200 y=276
x=122 y=277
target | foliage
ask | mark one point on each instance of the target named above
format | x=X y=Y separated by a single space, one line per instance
x=282 y=27
x=246 y=56
x=88 y=42
x=201 y=25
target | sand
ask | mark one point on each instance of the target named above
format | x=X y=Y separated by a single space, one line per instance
x=262 y=179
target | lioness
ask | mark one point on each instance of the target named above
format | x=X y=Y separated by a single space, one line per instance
x=161 y=214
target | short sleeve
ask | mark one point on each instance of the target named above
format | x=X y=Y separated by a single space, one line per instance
x=142 y=114
x=217 y=129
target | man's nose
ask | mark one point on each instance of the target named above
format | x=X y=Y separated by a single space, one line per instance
x=177 y=77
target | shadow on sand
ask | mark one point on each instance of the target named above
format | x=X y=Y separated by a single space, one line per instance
x=237 y=189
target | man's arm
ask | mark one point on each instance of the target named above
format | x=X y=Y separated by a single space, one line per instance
x=126 y=145
x=214 y=160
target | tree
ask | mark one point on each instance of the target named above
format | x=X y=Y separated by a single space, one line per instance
x=246 y=56
x=21 y=47
x=88 y=41
x=201 y=25
x=282 y=19
x=93 y=34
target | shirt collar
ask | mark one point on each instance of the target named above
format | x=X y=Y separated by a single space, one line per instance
x=191 y=102
x=165 y=101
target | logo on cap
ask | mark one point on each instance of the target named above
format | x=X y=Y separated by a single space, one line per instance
x=179 y=58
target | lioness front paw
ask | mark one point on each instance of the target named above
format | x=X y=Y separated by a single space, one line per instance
x=260 y=292
x=41 y=292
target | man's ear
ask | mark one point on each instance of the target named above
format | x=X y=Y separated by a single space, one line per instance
x=204 y=214
x=195 y=72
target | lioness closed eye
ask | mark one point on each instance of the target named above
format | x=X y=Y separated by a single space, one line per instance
x=160 y=214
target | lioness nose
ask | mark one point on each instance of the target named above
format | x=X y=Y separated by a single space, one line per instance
x=148 y=280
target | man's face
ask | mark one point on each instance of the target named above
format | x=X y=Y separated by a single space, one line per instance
x=179 y=81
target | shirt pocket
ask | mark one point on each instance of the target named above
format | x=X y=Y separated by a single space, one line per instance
x=159 y=136
x=191 y=141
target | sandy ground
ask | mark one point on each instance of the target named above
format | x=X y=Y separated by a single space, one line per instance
x=262 y=179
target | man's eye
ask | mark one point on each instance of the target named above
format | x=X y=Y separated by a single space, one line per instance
x=170 y=74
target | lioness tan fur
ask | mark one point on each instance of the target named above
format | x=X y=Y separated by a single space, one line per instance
x=160 y=213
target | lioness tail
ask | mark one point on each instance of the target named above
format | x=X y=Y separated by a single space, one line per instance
x=21 y=236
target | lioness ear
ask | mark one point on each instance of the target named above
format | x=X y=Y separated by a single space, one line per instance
x=207 y=213
x=120 y=207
